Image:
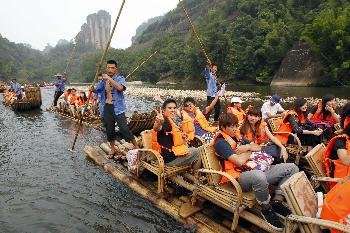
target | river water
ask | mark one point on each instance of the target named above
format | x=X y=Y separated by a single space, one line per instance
x=46 y=188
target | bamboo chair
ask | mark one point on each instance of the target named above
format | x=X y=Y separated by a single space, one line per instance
x=315 y=161
x=302 y=200
x=294 y=149
x=228 y=196
x=154 y=162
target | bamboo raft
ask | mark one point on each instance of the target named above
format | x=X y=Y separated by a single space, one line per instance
x=32 y=100
x=137 y=123
x=174 y=204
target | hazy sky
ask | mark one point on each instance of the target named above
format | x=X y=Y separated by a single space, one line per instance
x=38 y=22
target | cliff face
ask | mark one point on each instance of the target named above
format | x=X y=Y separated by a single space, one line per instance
x=96 y=31
x=298 y=68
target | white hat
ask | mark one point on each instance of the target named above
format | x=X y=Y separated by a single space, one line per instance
x=236 y=100
x=58 y=75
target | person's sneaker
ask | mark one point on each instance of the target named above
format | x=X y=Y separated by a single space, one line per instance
x=280 y=209
x=272 y=219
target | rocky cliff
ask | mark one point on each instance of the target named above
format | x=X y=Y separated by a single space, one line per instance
x=96 y=30
x=299 y=68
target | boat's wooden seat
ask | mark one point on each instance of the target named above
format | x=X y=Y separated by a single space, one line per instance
x=228 y=196
x=154 y=161
x=315 y=160
x=295 y=149
x=302 y=201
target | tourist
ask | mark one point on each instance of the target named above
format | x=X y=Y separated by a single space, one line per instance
x=114 y=109
x=17 y=88
x=236 y=158
x=296 y=121
x=345 y=116
x=325 y=111
x=72 y=98
x=336 y=206
x=256 y=131
x=212 y=89
x=60 y=83
x=272 y=108
x=236 y=109
x=81 y=103
x=194 y=121
x=64 y=100
x=170 y=141
x=337 y=156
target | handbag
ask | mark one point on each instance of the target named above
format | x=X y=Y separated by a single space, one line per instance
x=258 y=161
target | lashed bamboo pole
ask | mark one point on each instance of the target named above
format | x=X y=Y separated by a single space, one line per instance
x=98 y=71
x=194 y=30
x=134 y=70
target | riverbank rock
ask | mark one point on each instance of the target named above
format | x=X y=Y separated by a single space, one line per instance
x=299 y=68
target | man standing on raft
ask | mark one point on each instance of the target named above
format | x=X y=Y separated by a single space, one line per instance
x=60 y=84
x=114 y=86
x=212 y=89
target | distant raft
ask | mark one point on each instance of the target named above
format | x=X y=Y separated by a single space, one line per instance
x=137 y=123
x=31 y=101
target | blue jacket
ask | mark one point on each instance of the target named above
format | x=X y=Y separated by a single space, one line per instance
x=60 y=84
x=118 y=96
x=211 y=82
x=16 y=88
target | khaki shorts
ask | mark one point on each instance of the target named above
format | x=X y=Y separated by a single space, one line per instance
x=190 y=158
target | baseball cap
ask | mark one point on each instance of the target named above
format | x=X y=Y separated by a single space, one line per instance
x=275 y=98
x=236 y=100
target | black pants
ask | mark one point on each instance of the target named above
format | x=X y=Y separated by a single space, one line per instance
x=109 y=120
x=56 y=96
x=217 y=108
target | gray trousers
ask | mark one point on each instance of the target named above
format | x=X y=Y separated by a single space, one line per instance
x=259 y=181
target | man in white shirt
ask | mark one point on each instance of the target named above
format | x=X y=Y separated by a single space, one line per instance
x=272 y=108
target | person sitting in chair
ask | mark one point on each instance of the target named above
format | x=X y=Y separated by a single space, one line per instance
x=237 y=159
x=170 y=141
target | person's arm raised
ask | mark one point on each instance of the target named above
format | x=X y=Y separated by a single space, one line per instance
x=115 y=84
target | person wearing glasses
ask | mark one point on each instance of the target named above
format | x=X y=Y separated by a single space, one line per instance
x=272 y=108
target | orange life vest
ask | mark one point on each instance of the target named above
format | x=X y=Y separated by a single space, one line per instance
x=336 y=205
x=65 y=94
x=319 y=116
x=81 y=102
x=240 y=113
x=340 y=170
x=188 y=123
x=6 y=93
x=72 y=98
x=229 y=167
x=346 y=122
x=286 y=127
x=259 y=137
x=180 y=148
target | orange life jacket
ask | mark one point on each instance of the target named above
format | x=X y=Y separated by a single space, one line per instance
x=240 y=113
x=180 y=148
x=340 y=170
x=72 y=98
x=286 y=127
x=319 y=116
x=66 y=94
x=259 y=137
x=346 y=122
x=229 y=167
x=336 y=205
x=81 y=102
x=188 y=123
x=6 y=93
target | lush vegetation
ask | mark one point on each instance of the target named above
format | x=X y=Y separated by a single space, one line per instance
x=247 y=39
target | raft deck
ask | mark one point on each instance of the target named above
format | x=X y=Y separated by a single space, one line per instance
x=207 y=218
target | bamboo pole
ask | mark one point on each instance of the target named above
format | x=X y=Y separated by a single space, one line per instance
x=98 y=71
x=194 y=30
x=134 y=70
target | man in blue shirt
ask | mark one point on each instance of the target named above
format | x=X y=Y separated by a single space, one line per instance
x=16 y=87
x=60 y=84
x=114 y=85
x=100 y=96
x=210 y=78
